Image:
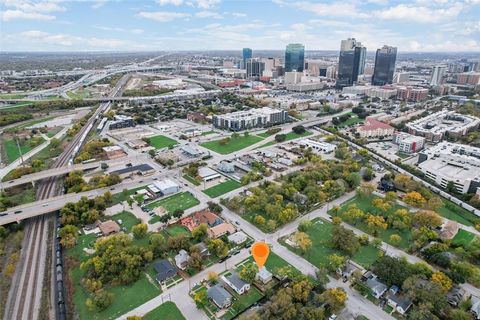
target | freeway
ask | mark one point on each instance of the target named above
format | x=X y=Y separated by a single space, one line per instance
x=28 y=178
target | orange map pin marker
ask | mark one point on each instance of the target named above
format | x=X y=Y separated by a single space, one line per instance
x=260 y=252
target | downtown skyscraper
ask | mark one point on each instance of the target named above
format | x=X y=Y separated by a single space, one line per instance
x=294 y=57
x=384 y=65
x=351 y=62
x=247 y=55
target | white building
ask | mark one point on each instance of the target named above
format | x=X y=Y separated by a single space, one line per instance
x=165 y=187
x=237 y=237
x=382 y=92
x=252 y=118
x=438 y=73
x=434 y=126
x=360 y=90
x=208 y=174
x=318 y=146
x=306 y=86
x=181 y=259
x=408 y=143
x=453 y=162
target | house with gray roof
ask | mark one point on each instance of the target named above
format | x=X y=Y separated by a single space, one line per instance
x=236 y=283
x=264 y=275
x=475 y=308
x=165 y=270
x=181 y=259
x=219 y=296
x=378 y=288
x=400 y=303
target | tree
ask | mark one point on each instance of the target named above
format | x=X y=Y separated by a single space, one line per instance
x=212 y=277
x=259 y=220
x=271 y=225
x=130 y=201
x=353 y=214
x=249 y=272
x=353 y=180
x=368 y=174
x=195 y=261
x=434 y=203
x=414 y=199
x=304 y=225
x=140 y=230
x=392 y=270
x=200 y=232
x=214 y=207
x=424 y=292
x=375 y=224
x=395 y=239
x=280 y=137
x=345 y=240
x=427 y=218
x=365 y=190
x=400 y=219
x=335 y=298
x=68 y=236
x=200 y=298
x=303 y=241
x=299 y=129
x=158 y=244
x=335 y=262
x=442 y=280
x=391 y=197
x=218 y=248
x=102 y=299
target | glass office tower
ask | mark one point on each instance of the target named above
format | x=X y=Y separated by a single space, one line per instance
x=247 y=55
x=294 y=57
x=351 y=62
x=384 y=66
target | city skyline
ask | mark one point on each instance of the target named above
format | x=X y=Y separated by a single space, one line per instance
x=435 y=26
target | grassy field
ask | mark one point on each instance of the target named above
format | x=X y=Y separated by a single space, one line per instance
x=120 y=197
x=128 y=219
x=52 y=132
x=206 y=133
x=176 y=230
x=454 y=212
x=159 y=142
x=12 y=96
x=166 y=311
x=180 y=201
x=234 y=145
x=366 y=205
x=321 y=234
x=273 y=264
x=190 y=179
x=12 y=152
x=222 y=188
x=289 y=136
x=463 y=238
x=78 y=94
x=354 y=119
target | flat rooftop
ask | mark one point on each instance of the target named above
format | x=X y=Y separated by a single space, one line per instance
x=444 y=121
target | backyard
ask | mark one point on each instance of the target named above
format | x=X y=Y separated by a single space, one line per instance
x=320 y=233
x=233 y=145
x=166 y=311
x=222 y=188
x=159 y=142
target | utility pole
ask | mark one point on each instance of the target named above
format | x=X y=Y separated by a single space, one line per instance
x=19 y=151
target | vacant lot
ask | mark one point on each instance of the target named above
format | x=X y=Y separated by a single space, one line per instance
x=233 y=145
x=12 y=151
x=179 y=201
x=166 y=311
x=222 y=188
x=321 y=235
x=159 y=142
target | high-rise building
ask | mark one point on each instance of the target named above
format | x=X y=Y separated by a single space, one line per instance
x=384 y=65
x=438 y=73
x=247 y=55
x=294 y=57
x=254 y=68
x=351 y=62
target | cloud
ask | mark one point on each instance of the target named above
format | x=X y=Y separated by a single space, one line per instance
x=38 y=7
x=162 y=16
x=208 y=14
x=98 y=4
x=333 y=9
x=9 y=15
x=206 y=4
x=172 y=2
x=239 y=14
x=420 y=14
x=118 y=29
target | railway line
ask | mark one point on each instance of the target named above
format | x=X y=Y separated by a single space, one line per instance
x=25 y=295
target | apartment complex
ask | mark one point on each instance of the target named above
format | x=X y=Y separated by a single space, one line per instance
x=408 y=143
x=434 y=126
x=254 y=118
x=453 y=162
x=375 y=129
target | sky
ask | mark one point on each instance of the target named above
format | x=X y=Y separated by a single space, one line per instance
x=137 y=25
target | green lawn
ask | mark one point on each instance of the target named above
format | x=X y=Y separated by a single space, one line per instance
x=190 y=179
x=78 y=94
x=222 y=188
x=12 y=96
x=264 y=134
x=12 y=152
x=366 y=205
x=243 y=302
x=206 y=133
x=166 y=311
x=159 y=142
x=52 y=132
x=454 y=212
x=120 y=197
x=128 y=219
x=176 y=230
x=234 y=144
x=33 y=122
x=181 y=201
x=289 y=136
x=320 y=234
x=463 y=238
x=354 y=119
x=274 y=263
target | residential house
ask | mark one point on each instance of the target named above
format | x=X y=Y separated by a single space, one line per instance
x=165 y=270
x=264 y=275
x=400 y=303
x=202 y=249
x=475 y=308
x=236 y=283
x=455 y=296
x=220 y=230
x=208 y=217
x=109 y=227
x=181 y=259
x=237 y=237
x=221 y=297
x=377 y=288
